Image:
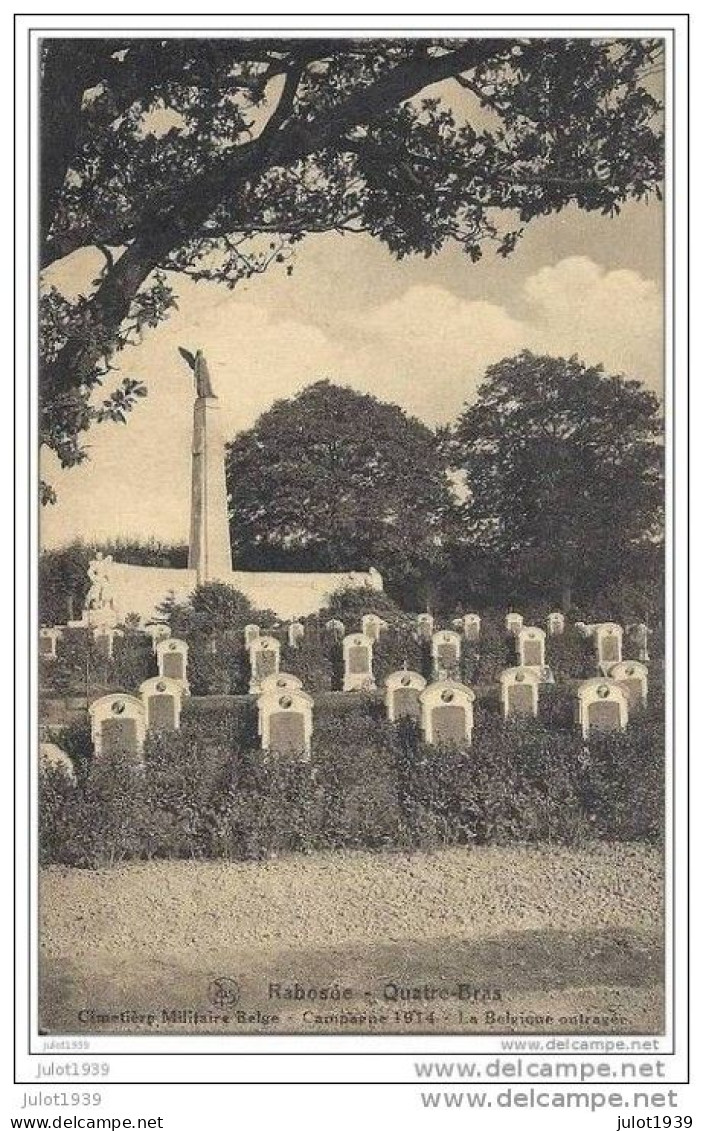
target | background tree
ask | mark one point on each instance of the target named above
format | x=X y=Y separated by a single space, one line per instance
x=214 y=157
x=336 y=480
x=564 y=466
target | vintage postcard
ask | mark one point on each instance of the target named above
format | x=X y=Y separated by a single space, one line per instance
x=351 y=636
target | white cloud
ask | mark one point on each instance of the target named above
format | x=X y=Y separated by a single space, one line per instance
x=614 y=317
x=426 y=349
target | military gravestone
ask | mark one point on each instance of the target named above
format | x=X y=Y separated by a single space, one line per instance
x=285 y=721
x=519 y=692
x=357 y=651
x=264 y=660
x=403 y=695
x=601 y=705
x=118 y=726
x=162 y=697
x=447 y=713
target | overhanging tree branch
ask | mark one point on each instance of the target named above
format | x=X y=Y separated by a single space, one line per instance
x=174 y=218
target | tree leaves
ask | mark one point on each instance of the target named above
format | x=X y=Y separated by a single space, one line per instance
x=564 y=468
x=338 y=480
x=185 y=154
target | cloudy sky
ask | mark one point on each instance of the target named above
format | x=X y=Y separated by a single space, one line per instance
x=419 y=333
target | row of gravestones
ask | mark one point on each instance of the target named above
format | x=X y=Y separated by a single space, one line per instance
x=446 y=644
x=443 y=708
x=119 y=722
x=104 y=638
x=357 y=651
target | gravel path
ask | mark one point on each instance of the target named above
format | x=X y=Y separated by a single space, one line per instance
x=170 y=907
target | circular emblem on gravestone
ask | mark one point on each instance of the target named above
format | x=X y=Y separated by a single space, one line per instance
x=280 y=683
x=264 y=643
x=447 y=696
x=519 y=678
x=603 y=692
x=629 y=670
x=172 y=646
x=285 y=701
x=118 y=707
x=161 y=686
x=405 y=681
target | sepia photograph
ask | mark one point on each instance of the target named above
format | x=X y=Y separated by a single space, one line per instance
x=351 y=642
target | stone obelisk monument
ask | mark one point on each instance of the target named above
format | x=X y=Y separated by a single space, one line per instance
x=209 y=552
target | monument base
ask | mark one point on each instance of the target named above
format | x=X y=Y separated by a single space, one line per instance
x=142 y=589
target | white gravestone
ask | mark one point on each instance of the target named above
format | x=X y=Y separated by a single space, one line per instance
x=447 y=713
x=608 y=642
x=118 y=726
x=373 y=625
x=529 y=643
x=471 y=626
x=633 y=678
x=157 y=632
x=264 y=660
x=519 y=692
x=251 y=632
x=357 y=650
x=281 y=681
x=172 y=659
x=336 y=628
x=555 y=624
x=601 y=705
x=285 y=721
x=446 y=654
x=513 y=623
x=162 y=699
x=296 y=633
x=48 y=639
x=425 y=626
x=104 y=639
x=52 y=757
x=403 y=695
x=639 y=637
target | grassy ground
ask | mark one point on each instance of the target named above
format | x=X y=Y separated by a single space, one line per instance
x=493 y=940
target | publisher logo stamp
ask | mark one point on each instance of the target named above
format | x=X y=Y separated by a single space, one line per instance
x=223 y=992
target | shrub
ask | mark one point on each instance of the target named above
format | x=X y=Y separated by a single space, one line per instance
x=354 y=771
x=571 y=655
x=397 y=648
x=496 y=651
x=623 y=782
x=274 y=809
x=98 y=822
x=314 y=660
x=76 y=740
x=350 y=605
